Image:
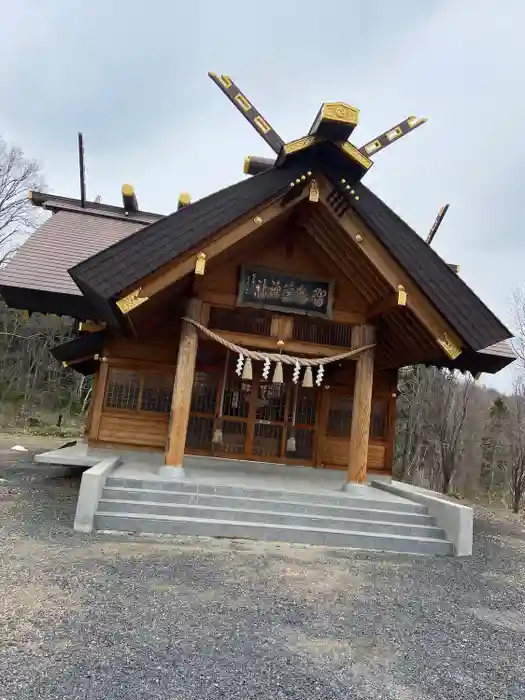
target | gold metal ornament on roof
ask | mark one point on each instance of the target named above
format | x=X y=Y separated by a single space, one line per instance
x=334 y=122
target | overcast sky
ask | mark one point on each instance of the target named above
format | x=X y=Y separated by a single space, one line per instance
x=132 y=75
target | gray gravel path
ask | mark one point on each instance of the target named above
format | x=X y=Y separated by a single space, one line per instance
x=109 y=617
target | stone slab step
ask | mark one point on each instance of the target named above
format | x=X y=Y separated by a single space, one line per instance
x=335 y=499
x=165 y=524
x=379 y=511
x=247 y=514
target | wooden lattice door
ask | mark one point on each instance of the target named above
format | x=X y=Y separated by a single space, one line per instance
x=258 y=419
x=269 y=418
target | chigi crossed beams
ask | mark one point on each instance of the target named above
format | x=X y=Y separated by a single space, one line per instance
x=334 y=122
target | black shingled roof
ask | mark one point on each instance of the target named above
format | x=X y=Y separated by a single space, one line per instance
x=457 y=303
x=111 y=271
x=462 y=308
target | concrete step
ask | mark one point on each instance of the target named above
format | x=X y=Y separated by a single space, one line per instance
x=381 y=510
x=269 y=517
x=331 y=499
x=175 y=525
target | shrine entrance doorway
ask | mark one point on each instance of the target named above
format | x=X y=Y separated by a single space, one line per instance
x=253 y=419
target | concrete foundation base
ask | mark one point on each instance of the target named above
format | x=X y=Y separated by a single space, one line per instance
x=135 y=491
x=176 y=473
x=454 y=518
x=357 y=490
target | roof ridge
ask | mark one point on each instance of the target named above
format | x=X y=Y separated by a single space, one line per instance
x=50 y=201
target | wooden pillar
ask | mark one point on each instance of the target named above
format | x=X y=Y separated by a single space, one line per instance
x=97 y=400
x=182 y=387
x=362 y=405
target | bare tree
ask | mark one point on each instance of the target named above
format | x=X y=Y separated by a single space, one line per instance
x=18 y=175
x=495 y=444
x=412 y=408
x=452 y=397
x=439 y=428
x=516 y=457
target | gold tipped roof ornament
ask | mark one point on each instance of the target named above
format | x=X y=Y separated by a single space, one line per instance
x=334 y=123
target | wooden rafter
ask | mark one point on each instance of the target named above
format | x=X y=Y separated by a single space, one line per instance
x=335 y=256
x=373 y=285
x=384 y=305
x=363 y=238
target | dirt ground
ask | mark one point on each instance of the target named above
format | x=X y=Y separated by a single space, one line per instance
x=111 y=617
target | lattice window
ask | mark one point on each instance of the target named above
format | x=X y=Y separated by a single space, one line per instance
x=129 y=390
x=200 y=431
x=322 y=332
x=204 y=393
x=306 y=406
x=123 y=389
x=241 y=321
x=237 y=398
x=157 y=390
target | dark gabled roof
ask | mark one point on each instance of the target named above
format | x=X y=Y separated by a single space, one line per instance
x=458 y=304
x=462 y=308
x=112 y=270
x=37 y=276
x=137 y=249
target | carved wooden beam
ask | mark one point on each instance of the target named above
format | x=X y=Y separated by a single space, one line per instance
x=90 y=326
x=295 y=146
x=254 y=165
x=394 y=134
x=184 y=200
x=248 y=111
x=129 y=198
x=335 y=121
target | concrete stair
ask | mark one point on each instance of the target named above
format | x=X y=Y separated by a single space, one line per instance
x=186 y=508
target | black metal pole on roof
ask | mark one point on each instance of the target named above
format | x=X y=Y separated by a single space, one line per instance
x=82 y=171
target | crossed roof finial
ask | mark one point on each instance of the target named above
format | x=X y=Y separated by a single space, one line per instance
x=334 y=123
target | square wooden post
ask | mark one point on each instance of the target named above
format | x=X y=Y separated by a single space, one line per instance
x=98 y=394
x=362 y=405
x=182 y=389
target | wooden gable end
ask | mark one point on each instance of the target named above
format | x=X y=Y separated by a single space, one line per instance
x=289 y=250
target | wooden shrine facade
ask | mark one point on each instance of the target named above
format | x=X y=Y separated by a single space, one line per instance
x=262 y=420
x=300 y=284
x=266 y=321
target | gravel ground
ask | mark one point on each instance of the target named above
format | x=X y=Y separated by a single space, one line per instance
x=110 y=617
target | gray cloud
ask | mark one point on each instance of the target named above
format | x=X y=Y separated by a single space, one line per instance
x=132 y=76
